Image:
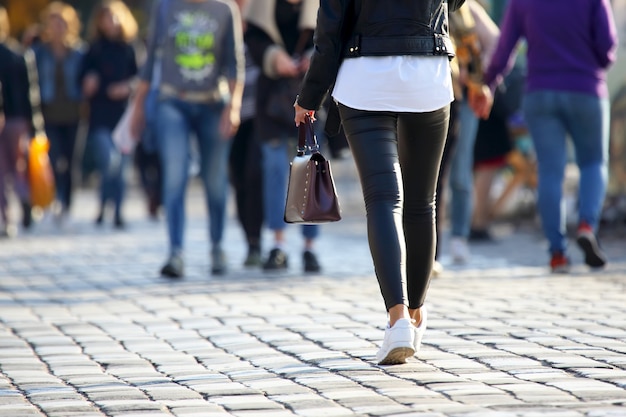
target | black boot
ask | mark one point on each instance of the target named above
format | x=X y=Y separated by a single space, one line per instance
x=27 y=215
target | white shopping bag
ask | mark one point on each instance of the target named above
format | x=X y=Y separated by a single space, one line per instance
x=122 y=136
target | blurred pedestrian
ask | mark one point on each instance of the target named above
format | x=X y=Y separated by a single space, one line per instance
x=571 y=43
x=17 y=130
x=4 y=230
x=59 y=56
x=1 y=109
x=389 y=63
x=280 y=38
x=201 y=64
x=245 y=170
x=149 y=168
x=475 y=36
x=107 y=74
x=492 y=151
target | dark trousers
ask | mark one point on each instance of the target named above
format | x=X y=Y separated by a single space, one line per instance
x=14 y=138
x=149 y=168
x=398 y=156
x=246 y=179
x=62 y=143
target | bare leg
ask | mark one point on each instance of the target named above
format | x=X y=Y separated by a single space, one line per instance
x=483 y=179
x=397 y=312
x=416 y=314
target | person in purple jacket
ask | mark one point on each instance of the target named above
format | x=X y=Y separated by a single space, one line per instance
x=571 y=44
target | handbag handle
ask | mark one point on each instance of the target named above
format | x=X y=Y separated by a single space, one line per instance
x=307 y=142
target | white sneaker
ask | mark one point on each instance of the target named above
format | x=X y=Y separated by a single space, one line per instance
x=437 y=269
x=419 y=331
x=397 y=344
x=459 y=250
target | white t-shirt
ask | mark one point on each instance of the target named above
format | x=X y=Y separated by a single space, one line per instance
x=394 y=83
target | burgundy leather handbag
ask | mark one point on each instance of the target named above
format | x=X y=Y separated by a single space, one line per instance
x=311 y=194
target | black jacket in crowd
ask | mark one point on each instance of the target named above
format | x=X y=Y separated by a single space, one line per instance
x=286 y=16
x=352 y=28
x=15 y=85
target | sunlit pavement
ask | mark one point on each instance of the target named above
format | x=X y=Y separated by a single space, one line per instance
x=88 y=328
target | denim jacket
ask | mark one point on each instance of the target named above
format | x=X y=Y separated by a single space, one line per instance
x=46 y=66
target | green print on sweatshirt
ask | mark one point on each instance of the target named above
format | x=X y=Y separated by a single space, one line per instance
x=194 y=40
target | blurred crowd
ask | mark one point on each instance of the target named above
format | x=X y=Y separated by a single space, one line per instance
x=196 y=97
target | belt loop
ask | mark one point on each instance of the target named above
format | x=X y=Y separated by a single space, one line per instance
x=440 y=45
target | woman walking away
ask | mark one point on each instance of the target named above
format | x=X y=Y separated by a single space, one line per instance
x=107 y=73
x=566 y=94
x=280 y=37
x=389 y=63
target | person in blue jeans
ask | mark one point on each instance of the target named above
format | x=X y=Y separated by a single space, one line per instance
x=566 y=95
x=278 y=35
x=106 y=74
x=475 y=36
x=201 y=65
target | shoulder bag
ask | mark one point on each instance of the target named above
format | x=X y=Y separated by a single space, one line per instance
x=311 y=194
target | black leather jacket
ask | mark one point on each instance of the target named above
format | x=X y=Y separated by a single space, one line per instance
x=351 y=28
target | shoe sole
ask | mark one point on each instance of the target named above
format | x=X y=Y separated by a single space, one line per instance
x=272 y=268
x=593 y=256
x=253 y=263
x=168 y=273
x=563 y=269
x=397 y=356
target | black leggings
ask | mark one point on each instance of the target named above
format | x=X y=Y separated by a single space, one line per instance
x=397 y=156
x=245 y=176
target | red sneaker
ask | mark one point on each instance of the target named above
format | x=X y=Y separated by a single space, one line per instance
x=559 y=263
x=588 y=243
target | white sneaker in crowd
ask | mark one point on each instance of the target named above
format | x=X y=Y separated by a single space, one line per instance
x=420 y=330
x=459 y=250
x=437 y=269
x=397 y=344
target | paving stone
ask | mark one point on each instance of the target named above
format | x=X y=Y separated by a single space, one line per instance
x=169 y=391
x=207 y=410
x=118 y=406
x=246 y=402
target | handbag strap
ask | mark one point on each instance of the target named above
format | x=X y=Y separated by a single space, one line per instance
x=34 y=93
x=307 y=142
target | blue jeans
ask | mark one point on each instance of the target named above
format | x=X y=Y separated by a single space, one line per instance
x=111 y=165
x=176 y=120
x=551 y=117
x=462 y=172
x=276 y=159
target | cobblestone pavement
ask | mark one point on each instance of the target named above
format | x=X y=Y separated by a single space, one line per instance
x=87 y=328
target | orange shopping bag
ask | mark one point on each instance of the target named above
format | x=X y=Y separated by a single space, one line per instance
x=40 y=173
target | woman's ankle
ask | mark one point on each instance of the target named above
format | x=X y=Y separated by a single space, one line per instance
x=397 y=312
x=416 y=316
